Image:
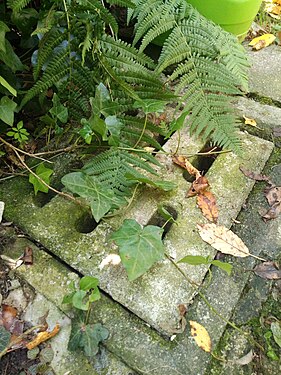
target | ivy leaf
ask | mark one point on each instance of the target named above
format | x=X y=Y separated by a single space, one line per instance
x=94 y=334
x=227 y=267
x=101 y=200
x=45 y=174
x=78 y=300
x=4 y=338
x=139 y=247
x=150 y=105
x=194 y=260
x=87 y=337
x=88 y=282
x=114 y=126
x=59 y=111
x=7 y=86
x=7 y=109
x=3 y=30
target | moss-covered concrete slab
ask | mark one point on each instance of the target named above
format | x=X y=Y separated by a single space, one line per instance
x=265 y=72
x=156 y=295
x=259 y=295
x=50 y=281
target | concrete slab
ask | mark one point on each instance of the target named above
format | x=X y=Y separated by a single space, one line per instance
x=265 y=73
x=156 y=295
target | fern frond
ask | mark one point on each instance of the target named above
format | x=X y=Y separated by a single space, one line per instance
x=111 y=167
x=17 y=5
x=96 y=7
x=122 y=3
x=57 y=69
x=206 y=85
x=49 y=41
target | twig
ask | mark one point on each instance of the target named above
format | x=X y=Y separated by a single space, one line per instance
x=22 y=152
x=65 y=195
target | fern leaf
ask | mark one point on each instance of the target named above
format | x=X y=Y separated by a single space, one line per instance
x=49 y=41
x=207 y=84
x=57 y=69
x=96 y=7
x=122 y=3
x=17 y=5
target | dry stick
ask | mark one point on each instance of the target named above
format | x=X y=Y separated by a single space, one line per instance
x=233 y=325
x=21 y=151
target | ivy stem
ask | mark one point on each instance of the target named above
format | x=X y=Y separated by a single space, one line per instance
x=212 y=308
x=88 y=314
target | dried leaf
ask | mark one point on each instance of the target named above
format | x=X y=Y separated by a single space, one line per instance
x=42 y=337
x=201 y=336
x=255 y=176
x=223 y=239
x=262 y=41
x=12 y=263
x=273 y=196
x=9 y=320
x=250 y=121
x=277 y=131
x=268 y=270
x=198 y=186
x=27 y=257
x=184 y=163
x=246 y=359
x=2 y=205
x=208 y=205
x=182 y=320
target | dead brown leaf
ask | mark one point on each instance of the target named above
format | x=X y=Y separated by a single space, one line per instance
x=27 y=257
x=246 y=359
x=255 y=176
x=277 y=131
x=198 y=186
x=273 y=196
x=207 y=203
x=201 y=336
x=9 y=320
x=42 y=337
x=268 y=270
x=185 y=163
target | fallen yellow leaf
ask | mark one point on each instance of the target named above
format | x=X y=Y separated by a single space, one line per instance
x=43 y=336
x=249 y=121
x=201 y=336
x=262 y=41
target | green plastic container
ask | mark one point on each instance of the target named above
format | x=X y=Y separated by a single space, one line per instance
x=234 y=16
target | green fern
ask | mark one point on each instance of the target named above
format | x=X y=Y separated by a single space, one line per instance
x=203 y=66
x=17 y=5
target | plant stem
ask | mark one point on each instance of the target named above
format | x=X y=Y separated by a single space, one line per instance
x=142 y=132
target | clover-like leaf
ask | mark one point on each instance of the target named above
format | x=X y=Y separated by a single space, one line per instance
x=139 y=247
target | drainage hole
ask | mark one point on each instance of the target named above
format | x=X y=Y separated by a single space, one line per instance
x=86 y=223
x=164 y=217
x=203 y=162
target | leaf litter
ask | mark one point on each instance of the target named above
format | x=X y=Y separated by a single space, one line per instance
x=271 y=192
x=268 y=270
x=206 y=200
